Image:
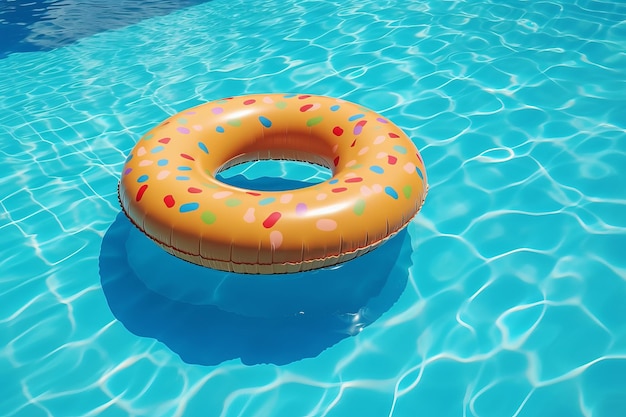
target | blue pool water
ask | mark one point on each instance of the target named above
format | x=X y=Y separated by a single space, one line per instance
x=505 y=297
x=43 y=25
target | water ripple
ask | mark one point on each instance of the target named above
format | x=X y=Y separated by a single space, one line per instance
x=514 y=302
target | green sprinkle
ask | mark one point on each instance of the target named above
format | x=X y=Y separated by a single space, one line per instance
x=406 y=190
x=359 y=207
x=400 y=148
x=313 y=121
x=233 y=202
x=208 y=184
x=208 y=217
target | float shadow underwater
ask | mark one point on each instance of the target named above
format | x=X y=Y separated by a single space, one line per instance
x=208 y=316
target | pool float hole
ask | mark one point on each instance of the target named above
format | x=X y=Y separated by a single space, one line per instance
x=275 y=174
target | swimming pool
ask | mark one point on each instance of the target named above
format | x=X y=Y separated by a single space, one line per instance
x=504 y=298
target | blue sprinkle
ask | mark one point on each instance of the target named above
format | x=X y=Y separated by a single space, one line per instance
x=162 y=162
x=266 y=201
x=265 y=121
x=185 y=208
x=335 y=181
x=203 y=147
x=157 y=149
x=142 y=178
x=184 y=168
x=219 y=129
x=419 y=172
x=377 y=169
x=182 y=178
x=355 y=117
x=130 y=156
x=335 y=107
x=391 y=192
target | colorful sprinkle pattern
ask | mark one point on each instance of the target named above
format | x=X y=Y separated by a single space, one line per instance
x=168 y=186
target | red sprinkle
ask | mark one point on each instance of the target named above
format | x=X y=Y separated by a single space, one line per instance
x=169 y=201
x=194 y=190
x=353 y=143
x=354 y=179
x=337 y=131
x=392 y=159
x=303 y=97
x=393 y=135
x=184 y=155
x=140 y=192
x=339 y=189
x=336 y=161
x=305 y=107
x=248 y=102
x=253 y=193
x=165 y=140
x=271 y=220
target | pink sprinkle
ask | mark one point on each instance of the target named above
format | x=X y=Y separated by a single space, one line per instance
x=326 y=225
x=249 y=217
x=183 y=130
x=301 y=209
x=276 y=239
x=359 y=127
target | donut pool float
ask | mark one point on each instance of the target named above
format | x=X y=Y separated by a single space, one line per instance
x=169 y=189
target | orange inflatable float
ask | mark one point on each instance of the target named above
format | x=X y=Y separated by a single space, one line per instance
x=169 y=191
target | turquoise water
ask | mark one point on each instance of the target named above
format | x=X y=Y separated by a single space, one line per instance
x=504 y=298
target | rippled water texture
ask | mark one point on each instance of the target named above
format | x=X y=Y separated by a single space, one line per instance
x=42 y=25
x=507 y=298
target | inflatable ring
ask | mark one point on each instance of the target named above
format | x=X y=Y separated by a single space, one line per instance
x=169 y=190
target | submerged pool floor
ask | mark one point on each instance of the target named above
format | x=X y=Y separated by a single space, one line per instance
x=503 y=298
